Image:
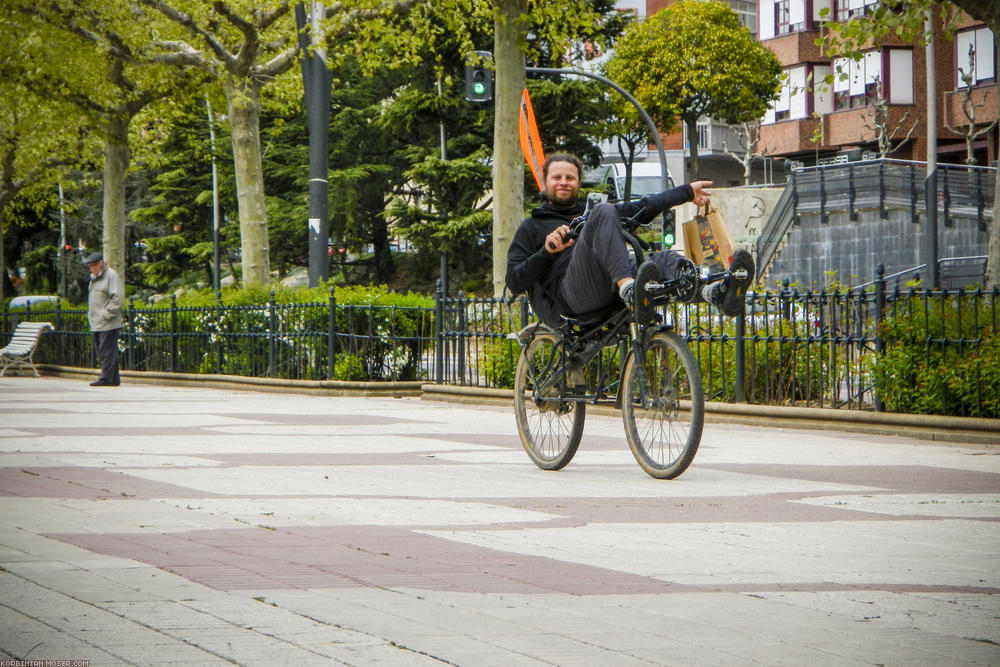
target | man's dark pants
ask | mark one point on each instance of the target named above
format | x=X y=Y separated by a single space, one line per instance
x=600 y=259
x=106 y=343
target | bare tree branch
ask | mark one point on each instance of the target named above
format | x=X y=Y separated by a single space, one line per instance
x=280 y=63
x=969 y=107
x=181 y=53
x=186 y=21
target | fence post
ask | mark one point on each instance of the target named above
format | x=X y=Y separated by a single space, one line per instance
x=130 y=351
x=272 y=324
x=331 y=337
x=946 y=198
x=883 y=213
x=784 y=305
x=439 y=333
x=741 y=332
x=823 y=217
x=173 y=333
x=879 y=341
x=219 y=346
x=852 y=192
x=461 y=337
x=980 y=200
x=59 y=331
x=795 y=198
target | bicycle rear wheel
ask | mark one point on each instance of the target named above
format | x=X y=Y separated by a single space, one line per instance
x=550 y=427
x=661 y=442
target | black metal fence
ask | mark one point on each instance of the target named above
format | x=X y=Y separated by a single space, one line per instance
x=876 y=348
x=322 y=340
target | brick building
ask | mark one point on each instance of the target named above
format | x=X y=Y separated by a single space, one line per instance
x=834 y=122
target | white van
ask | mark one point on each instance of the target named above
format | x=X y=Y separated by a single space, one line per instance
x=646 y=180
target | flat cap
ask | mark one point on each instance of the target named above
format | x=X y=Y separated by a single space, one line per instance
x=93 y=257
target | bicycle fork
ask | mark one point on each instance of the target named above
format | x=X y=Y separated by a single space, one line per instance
x=639 y=359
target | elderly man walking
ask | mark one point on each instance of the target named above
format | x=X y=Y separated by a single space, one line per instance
x=107 y=295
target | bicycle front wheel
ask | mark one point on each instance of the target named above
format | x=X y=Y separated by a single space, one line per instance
x=663 y=443
x=550 y=426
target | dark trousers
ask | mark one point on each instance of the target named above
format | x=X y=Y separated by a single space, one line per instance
x=600 y=259
x=106 y=343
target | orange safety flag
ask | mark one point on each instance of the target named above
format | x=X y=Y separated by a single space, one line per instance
x=531 y=143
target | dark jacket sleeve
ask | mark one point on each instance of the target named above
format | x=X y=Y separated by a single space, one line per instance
x=650 y=206
x=527 y=260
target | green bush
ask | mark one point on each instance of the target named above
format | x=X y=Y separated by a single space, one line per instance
x=382 y=331
x=941 y=357
x=781 y=365
x=500 y=363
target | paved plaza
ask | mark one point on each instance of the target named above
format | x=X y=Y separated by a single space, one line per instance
x=158 y=525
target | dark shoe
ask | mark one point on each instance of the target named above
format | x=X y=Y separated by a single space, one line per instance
x=100 y=383
x=643 y=311
x=729 y=295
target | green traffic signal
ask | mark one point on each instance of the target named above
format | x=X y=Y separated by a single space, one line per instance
x=478 y=77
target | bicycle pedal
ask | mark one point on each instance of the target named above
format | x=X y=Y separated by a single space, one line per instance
x=740 y=274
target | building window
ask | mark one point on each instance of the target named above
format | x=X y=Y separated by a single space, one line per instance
x=975 y=57
x=855 y=83
x=845 y=9
x=782 y=24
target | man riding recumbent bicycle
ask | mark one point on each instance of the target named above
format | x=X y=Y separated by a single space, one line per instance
x=599 y=339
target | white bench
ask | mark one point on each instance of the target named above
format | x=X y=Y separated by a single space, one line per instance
x=22 y=345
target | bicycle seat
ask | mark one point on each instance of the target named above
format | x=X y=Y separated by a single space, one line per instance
x=527 y=332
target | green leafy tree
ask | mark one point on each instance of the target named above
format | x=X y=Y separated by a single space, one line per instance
x=180 y=209
x=693 y=60
x=101 y=69
x=907 y=19
x=247 y=45
x=41 y=135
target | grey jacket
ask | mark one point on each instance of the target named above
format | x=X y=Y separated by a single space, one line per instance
x=107 y=295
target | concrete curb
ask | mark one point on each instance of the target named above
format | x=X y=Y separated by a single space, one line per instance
x=314 y=387
x=966 y=430
x=970 y=430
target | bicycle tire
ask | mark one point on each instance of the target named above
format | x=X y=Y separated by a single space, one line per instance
x=550 y=428
x=663 y=444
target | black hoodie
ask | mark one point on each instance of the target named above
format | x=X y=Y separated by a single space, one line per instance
x=531 y=268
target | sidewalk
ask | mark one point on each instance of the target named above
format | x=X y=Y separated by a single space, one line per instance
x=158 y=525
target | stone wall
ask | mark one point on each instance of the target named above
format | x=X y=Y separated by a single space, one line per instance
x=813 y=254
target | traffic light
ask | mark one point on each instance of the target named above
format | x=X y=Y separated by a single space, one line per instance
x=669 y=229
x=478 y=77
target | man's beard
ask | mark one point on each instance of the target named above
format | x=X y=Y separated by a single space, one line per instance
x=562 y=199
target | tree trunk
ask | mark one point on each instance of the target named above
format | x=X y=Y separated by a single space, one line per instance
x=508 y=174
x=243 y=104
x=116 y=160
x=7 y=191
x=692 y=132
x=385 y=268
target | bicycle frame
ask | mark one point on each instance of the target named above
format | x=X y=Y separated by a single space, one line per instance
x=560 y=370
x=582 y=343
